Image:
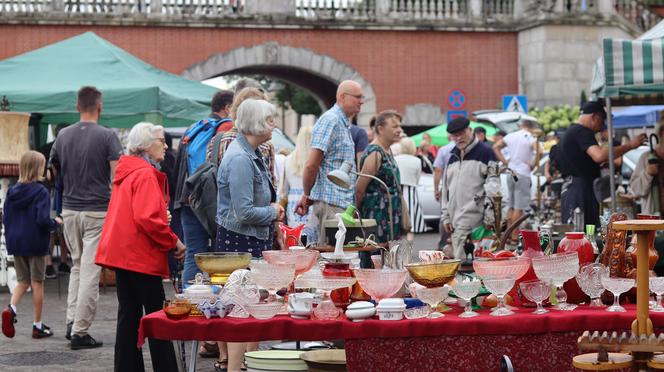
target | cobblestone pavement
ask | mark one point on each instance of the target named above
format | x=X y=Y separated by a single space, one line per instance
x=22 y=353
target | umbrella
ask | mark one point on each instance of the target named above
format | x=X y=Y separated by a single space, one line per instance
x=439 y=133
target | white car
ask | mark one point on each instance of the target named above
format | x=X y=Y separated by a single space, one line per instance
x=507 y=121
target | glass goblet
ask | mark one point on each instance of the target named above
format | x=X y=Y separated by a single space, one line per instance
x=558 y=268
x=589 y=279
x=467 y=289
x=432 y=297
x=500 y=287
x=657 y=287
x=536 y=291
x=617 y=286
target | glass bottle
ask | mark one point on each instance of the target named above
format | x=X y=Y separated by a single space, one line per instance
x=341 y=268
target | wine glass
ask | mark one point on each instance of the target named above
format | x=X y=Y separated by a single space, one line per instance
x=432 y=297
x=466 y=289
x=590 y=281
x=657 y=287
x=617 y=286
x=557 y=269
x=536 y=291
x=500 y=287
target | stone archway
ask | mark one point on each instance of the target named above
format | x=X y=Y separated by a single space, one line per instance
x=317 y=73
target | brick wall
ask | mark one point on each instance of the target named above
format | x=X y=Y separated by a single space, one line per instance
x=404 y=67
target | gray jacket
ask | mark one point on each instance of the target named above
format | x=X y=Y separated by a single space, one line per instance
x=245 y=191
x=463 y=181
x=641 y=185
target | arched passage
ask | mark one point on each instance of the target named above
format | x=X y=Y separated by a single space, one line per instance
x=319 y=74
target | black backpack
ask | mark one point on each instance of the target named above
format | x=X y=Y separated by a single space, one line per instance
x=203 y=190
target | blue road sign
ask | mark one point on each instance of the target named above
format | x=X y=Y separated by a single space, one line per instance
x=451 y=114
x=456 y=99
x=515 y=103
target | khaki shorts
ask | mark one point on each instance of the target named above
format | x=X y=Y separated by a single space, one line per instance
x=30 y=268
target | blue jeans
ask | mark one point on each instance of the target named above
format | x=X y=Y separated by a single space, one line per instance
x=196 y=239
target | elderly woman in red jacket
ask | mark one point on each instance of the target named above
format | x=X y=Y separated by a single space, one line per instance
x=135 y=243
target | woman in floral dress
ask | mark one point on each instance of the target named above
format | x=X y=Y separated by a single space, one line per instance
x=370 y=196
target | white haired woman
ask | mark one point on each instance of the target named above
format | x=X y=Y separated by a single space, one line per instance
x=410 y=168
x=292 y=184
x=135 y=242
x=246 y=196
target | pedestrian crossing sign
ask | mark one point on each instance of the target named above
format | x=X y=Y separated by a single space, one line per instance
x=515 y=103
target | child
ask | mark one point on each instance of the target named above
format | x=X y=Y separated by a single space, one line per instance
x=27 y=225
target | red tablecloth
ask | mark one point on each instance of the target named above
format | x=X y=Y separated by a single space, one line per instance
x=470 y=344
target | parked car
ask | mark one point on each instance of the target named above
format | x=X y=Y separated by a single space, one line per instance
x=507 y=121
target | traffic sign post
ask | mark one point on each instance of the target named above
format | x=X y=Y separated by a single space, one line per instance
x=456 y=99
x=515 y=103
x=452 y=114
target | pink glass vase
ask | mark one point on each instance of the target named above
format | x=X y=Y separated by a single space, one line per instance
x=576 y=242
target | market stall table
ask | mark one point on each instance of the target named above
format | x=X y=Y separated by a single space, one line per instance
x=533 y=342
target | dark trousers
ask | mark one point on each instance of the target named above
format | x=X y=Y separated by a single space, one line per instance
x=579 y=192
x=136 y=292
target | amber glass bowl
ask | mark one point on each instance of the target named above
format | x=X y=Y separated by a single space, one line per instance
x=433 y=275
x=177 y=309
x=220 y=265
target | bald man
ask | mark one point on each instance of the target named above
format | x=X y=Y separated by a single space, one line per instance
x=331 y=146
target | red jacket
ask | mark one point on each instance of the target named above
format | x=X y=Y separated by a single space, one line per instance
x=136 y=235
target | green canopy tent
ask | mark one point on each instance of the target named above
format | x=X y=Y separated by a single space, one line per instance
x=439 y=133
x=45 y=81
x=630 y=72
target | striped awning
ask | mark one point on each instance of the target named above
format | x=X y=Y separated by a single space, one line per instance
x=633 y=68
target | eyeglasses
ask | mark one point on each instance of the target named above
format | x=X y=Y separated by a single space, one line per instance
x=358 y=96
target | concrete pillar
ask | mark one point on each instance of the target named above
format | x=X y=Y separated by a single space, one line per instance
x=155 y=6
x=606 y=7
x=272 y=7
x=57 y=5
x=519 y=8
x=558 y=6
x=475 y=8
x=383 y=9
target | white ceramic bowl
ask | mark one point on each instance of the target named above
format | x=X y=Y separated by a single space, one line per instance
x=361 y=310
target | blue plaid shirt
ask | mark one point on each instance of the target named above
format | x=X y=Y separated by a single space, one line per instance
x=331 y=135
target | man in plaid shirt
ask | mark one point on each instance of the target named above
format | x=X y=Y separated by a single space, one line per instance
x=331 y=146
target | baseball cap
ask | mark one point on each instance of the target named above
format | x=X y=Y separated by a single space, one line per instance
x=457 y=124
x=593 y=107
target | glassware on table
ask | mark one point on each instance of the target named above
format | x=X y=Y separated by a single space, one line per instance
x=432 y=297
x=501 y=267
x=380 y=283
x=617 y=286
x=326 y=310
x=264 y=310
x=536 y=291
x=272 y=277
x=657 y=287
x=590 y=281
x=499 y=287
x=177 y=309
x=557 y=269
x=303 y=259
x=416 y=312
x=467 y=289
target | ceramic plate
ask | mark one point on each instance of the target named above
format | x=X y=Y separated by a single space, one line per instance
x=275 y=360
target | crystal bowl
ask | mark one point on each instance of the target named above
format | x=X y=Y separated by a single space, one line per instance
x=589 y=279
x=380 y=283
x=219 y=265
x=433 y=274
x=467 y=289
x=272 y=276
x=501 y=267
x=617 y=285
x=416 y=312
x=303 y=259
x=264 y=310
x=177 y=309
x=558 y=267
x=656 y=285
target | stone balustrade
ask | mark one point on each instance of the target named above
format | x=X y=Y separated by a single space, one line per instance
x=376 y=11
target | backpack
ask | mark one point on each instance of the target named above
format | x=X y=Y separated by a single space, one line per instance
x=197 y=138
x=203 y=186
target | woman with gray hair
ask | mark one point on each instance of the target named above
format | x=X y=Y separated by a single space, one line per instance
x=135 y=243
x=246 y=196
x=410 y=169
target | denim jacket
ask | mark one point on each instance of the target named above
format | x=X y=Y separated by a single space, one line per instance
x=245 y=191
